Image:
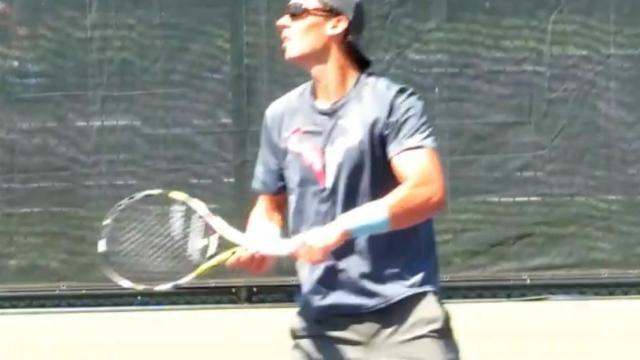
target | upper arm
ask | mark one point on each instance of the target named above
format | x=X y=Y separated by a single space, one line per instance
x=408 y=125
x=268 y=174
x=410 y=140
x=420 y=167
x=412 y=147
x=421 y=193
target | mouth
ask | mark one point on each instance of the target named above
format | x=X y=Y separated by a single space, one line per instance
x=284 y=35
x=283 y=41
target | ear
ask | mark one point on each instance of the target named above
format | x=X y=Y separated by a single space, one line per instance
x=337 y=25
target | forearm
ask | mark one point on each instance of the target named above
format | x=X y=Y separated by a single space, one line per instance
x=403 y=207
x=265 y=222
x=267 y=216
x=410 y=204
x=419 y=196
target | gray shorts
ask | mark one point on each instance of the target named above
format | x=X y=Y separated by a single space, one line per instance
x=417 y=327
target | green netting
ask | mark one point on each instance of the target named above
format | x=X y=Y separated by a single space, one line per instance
x=534 y=104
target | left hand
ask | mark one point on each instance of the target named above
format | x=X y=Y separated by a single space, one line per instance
x=318 y=243
x=250 y=261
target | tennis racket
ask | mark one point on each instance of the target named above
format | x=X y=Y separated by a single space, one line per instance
x=160 y=240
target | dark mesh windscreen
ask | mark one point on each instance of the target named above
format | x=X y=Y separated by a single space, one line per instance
x=535 y=105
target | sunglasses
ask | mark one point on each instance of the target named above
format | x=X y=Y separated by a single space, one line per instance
x=298 y=11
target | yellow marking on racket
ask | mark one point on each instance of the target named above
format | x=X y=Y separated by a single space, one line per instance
x=178 y=195
x=217 y=260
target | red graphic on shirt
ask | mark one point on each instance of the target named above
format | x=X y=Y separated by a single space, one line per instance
x=311 y=154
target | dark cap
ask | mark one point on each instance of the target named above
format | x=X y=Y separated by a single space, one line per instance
x=354 y=10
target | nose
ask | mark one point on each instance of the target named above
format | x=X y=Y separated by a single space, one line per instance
x=283 y=22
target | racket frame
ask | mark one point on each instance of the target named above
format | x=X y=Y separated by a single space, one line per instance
x=222 y=228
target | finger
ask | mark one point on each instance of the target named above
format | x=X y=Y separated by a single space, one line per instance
x=251 y=262
x=239 y=259
x=296 y=254
x=317 y=255
x=232 y=262
x=261 y=264
x=300 y=253
x=254 y=263
x=307 y=254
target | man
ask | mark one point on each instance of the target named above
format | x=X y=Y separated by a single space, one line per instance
x=351 y=158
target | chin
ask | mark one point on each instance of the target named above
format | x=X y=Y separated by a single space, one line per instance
x=294 y=59
x=290 y=55
x=303 y=60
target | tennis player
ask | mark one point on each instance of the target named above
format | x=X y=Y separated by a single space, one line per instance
x=348 y=161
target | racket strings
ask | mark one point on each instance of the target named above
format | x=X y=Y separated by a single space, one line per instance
x=136 y=247
x=151 y=248
x=156 y=240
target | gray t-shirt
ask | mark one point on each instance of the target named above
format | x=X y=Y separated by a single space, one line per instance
x=331 y=160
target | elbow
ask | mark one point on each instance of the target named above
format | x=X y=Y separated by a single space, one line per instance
x=418 y=205
x=435 y=202
x=440 y=202
x=426 y=205
x=441 y=197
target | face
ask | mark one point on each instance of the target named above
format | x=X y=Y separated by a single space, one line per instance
x=306 y=30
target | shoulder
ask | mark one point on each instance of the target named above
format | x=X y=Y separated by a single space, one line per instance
x=287 y=102
x=385 y=90
x=391 y=96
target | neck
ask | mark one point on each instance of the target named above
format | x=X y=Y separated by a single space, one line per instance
x=333 y=79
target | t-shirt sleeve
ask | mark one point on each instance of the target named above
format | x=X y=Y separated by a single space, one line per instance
x=408 y=126
x=268 y=175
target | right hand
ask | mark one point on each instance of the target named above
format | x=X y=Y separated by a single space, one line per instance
x=251 y=261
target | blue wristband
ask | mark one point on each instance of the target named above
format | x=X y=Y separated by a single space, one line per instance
x=366 y=220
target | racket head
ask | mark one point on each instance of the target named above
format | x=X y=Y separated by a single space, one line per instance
x=154 y=240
